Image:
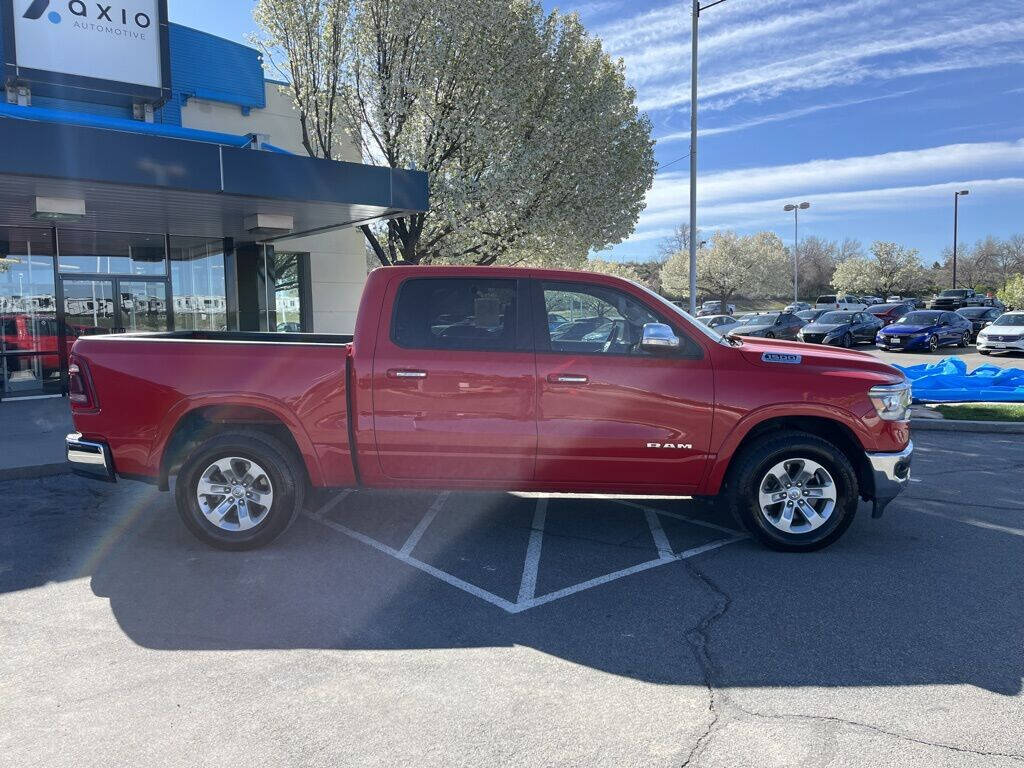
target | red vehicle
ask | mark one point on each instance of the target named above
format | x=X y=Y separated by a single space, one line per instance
x=890 y=312
x=41 y=334
x=455 y=379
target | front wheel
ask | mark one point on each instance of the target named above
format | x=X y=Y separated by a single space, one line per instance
x=769 y=335
x=793 y=491
x=240 y=490
x=984 y=352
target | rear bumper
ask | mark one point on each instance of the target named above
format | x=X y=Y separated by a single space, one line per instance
x=89 y=458
x=891 y=474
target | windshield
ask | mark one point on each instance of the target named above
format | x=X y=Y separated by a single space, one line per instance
x=919 y=318
x=883 y=307
x=835 y=318
x=973 y=311
x=710 y=304
x=826 y=300
x=958 y=293
x=765 y=319
x=810 y=314
x=1010 y=318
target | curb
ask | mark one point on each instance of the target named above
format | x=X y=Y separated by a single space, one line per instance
x=39 y=470
x=954 y=425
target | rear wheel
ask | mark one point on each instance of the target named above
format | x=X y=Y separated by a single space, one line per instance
x=847 y=340
x=965 y=339
x=769 y=335
x=933 y=343
x=240 y=490
x=793 y=491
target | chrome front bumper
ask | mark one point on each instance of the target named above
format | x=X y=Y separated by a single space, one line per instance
x=891 y=473
x=89 y=458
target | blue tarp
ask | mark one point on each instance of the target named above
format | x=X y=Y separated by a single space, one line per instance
x=947 y=381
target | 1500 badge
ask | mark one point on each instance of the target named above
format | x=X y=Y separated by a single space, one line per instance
x=781 y=357
x=669 y=445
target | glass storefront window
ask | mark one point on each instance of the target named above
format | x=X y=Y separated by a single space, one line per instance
x=29 y=333
x=197 y=282
x=110 y=253
x=284 y=299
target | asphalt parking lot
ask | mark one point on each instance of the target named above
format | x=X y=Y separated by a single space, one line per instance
x=969 y=355
x=494 y=629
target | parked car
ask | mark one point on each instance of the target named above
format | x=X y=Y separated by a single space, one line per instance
x=797 y=306
x=890 y=312
x=926 y=329
x=810 y=315
x=957 y=298
x=720 y=323
x=770 y=325
x=848 y=303
x=666 y=407
x=869 y=300
x=1004 y=334
x=892 y=300
x=979 y=317
x=715 y=308
x=841 y=329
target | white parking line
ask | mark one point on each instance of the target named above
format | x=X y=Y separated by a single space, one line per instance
x=422 y=525
x=658 y=534
x=528 y=585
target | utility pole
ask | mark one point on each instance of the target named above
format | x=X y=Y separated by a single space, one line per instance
x=956 y=215
x=796 y=208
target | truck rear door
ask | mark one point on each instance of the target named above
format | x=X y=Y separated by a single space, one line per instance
x=609 y=413
x=454 y=380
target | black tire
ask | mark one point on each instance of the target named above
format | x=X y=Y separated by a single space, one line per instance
x=769 y=335
x=965 y=339
x=750 y=468
x=847 y=341
x=283 y=469
x=984 y=352
x=933 y=343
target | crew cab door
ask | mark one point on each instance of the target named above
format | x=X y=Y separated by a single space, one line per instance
x=454 y=380
x=611 y=415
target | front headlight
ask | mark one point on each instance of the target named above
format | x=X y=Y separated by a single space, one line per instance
x=892 y=401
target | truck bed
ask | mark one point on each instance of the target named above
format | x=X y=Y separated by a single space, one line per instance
x=245 y=336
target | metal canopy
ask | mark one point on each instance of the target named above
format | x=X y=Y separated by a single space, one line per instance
x=143 y=183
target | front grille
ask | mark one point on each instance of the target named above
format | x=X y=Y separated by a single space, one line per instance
x=813 y=338
x=1004 y=338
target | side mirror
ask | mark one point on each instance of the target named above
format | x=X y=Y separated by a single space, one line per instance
x=658 y=337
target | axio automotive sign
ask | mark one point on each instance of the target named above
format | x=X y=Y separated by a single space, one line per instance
x=116 y=41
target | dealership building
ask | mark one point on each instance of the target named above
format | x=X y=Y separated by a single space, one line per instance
x=153 y=178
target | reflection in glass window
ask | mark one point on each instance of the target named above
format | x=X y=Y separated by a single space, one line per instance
x=110 y=253
x=29 y=335
x=286 y=272
x=197 y=282
x=594 y=320
x=457 y=313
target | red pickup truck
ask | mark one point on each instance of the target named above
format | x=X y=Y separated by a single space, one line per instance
x=459 y=378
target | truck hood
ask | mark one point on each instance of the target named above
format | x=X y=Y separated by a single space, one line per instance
x=780 y=355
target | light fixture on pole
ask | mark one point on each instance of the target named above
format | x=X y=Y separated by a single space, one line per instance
x=697 y=8
x=796 y=208
x=956 y=215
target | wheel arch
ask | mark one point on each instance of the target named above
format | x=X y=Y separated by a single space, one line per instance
x=191 y=426
x=827 y=427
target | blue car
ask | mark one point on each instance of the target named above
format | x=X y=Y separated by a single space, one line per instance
x=926 y=329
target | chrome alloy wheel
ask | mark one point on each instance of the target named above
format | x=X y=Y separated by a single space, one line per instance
x=797 y=496
x=235 y=494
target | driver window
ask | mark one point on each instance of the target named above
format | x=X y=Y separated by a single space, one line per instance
x=594 y=320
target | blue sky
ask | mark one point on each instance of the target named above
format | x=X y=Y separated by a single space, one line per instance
x=874 y=112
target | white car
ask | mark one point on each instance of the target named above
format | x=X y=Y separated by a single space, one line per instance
x=719 y=323
x=847 y=303
x=1005 y=333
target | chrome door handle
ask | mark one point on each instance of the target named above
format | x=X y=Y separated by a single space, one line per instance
x=567 y=378
x=402 y=373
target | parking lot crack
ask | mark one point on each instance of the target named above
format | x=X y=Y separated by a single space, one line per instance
x=699 y=638
x=879 y=730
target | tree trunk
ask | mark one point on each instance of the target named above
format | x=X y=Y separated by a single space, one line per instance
x=378 y=251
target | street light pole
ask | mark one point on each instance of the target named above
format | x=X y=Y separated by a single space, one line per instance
x=956 y=216
x=796 y=208
x=697 y=8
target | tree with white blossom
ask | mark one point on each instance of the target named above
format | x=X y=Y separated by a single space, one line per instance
x=530 y=136
x=749 y=265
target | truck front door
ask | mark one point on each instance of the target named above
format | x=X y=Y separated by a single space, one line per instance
x=454 y=381
x=610 y=414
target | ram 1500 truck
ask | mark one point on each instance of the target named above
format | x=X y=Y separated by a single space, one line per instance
x=455 y=378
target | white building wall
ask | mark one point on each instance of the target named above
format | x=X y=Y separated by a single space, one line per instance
x=337 y=260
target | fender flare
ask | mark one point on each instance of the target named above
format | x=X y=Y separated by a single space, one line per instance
x=727 y=450
x=274 y=407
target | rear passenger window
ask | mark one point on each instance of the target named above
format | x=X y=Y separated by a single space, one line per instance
x=455 y=313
